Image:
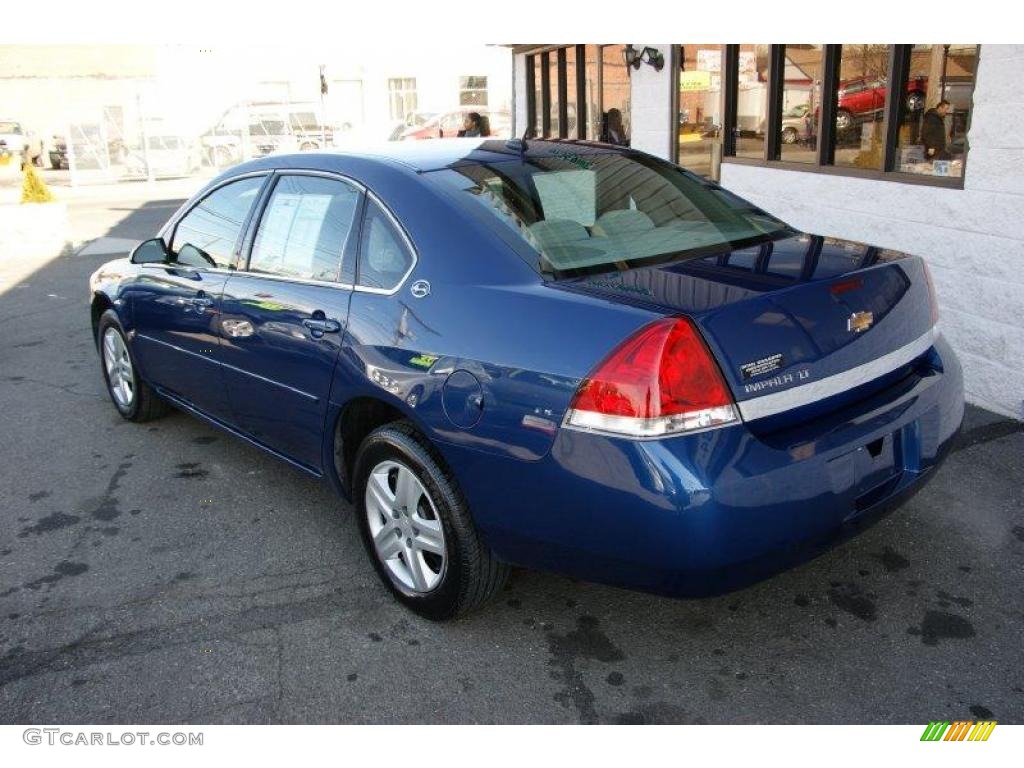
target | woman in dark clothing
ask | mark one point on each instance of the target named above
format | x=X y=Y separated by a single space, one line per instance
x=472 y=125
x=613 y=132
x=933 y=132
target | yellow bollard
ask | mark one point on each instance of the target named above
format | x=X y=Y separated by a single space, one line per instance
x=33 y=190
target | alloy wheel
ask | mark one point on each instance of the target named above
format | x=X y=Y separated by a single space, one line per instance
x=120 y=377
x=406 y=530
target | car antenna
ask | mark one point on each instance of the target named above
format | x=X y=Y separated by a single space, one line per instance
x=519 y=144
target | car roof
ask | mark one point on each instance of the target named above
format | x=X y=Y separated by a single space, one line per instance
x=434 y=154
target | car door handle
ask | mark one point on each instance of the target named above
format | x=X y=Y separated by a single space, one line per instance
x=201 y=301
x=318 y=326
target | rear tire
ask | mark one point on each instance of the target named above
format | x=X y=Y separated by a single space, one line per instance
x=133 y=398
x=454 y=570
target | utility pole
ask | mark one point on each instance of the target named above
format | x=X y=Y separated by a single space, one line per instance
x=323 y=94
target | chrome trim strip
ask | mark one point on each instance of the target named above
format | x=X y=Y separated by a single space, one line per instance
x=797 y=397
x=296 y=280
x=314 y=398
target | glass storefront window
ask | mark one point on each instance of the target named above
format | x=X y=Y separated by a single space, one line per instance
x=860 y=105
x=699 y=121
x=933 y=120
x=593 y=109
x=615 y=127
x=538 y=101
x=752 y=100
x=571 y=108
x=553 y=86
x=801 y=102
x=473 y=90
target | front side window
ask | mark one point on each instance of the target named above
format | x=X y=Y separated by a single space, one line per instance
x=207 y=235
x=384 y=257
x=584 y=212
x=304 y=228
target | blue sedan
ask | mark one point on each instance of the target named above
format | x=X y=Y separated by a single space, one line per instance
x=560 y=355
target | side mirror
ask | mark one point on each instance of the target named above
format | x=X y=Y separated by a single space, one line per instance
x=150 y=252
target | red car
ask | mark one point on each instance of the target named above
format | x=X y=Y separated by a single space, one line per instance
x=862 y=98
x=448 y=124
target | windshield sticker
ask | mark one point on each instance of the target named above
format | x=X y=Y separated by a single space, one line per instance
x=424 y=361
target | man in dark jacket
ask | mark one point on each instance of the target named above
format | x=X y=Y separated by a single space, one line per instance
x=933 y=132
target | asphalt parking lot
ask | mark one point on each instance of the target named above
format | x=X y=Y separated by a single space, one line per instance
x=166 y=572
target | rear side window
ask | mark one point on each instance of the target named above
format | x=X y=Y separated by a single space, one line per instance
x=304 y=228
x=207 y=236
x=384 y=257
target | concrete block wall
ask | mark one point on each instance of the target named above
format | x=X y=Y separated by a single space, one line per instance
x=651 y=104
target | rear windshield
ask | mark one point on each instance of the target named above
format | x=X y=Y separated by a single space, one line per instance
x=590 y=212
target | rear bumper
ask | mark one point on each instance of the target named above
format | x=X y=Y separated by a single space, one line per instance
x=713 y=511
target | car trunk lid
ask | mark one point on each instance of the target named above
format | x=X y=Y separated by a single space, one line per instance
x=797 y=324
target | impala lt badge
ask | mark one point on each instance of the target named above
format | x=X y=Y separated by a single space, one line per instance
x=859 y=321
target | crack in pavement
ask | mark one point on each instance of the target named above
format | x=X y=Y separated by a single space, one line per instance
x=85 y=652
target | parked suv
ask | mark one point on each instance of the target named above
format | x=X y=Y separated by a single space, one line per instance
x=254 y=130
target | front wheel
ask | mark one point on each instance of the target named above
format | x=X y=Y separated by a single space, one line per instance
x=789 y=135
x=844 y=120
x=417 y=529
x=132 y=397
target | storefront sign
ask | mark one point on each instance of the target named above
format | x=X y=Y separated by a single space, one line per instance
x=709 y=60
x=694 y=81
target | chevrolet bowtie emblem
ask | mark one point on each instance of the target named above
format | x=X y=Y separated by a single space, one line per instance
x=859 y=321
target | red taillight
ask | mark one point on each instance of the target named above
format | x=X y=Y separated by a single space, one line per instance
x=932 y=298
x=660 y=381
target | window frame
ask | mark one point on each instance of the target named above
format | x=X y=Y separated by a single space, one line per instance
x=170 y=230
x=351 y=242
x=403 y=93
x=824 y=162
x=369 y=197
x=465 y=87
x=558 y=88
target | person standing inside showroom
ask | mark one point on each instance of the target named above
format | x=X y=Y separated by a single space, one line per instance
x=933 y=132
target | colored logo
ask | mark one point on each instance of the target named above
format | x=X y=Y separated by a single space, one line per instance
x=859 y=321
x=959 y=730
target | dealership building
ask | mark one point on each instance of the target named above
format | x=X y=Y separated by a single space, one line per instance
x=814 y=134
